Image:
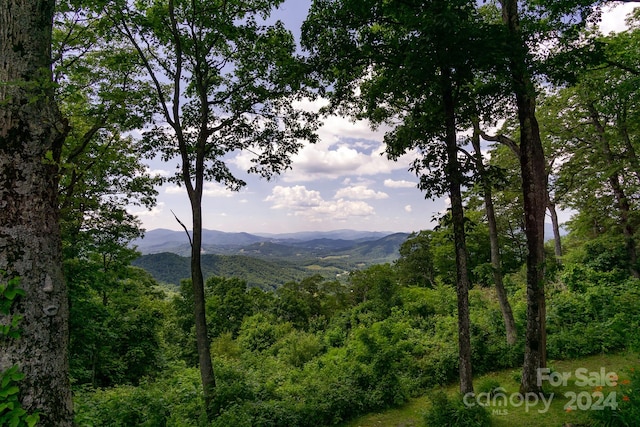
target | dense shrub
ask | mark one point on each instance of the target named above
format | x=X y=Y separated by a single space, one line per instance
x=627 y=412
x=368 y=356
x=446 y=412
x=173 y=401
x=596 y=319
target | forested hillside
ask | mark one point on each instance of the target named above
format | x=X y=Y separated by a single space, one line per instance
x=170 y=269
x=507 y=111
x=268 y=265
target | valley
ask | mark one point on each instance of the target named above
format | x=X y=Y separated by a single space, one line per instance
x=266 y=261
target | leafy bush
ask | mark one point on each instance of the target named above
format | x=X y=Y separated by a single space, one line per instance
x=259 y=332
x=11 y=411
x=627 y=413
x=298 y=348
x=488 y=385
x=172 y=401
x=600 y=318
x=446 y=412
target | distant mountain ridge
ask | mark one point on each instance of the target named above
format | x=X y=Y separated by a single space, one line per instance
x=214 y=241
x=267 y=261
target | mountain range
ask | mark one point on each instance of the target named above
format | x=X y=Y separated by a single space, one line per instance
x=266 y=260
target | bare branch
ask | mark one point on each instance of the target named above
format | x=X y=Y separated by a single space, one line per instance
x=183 y=226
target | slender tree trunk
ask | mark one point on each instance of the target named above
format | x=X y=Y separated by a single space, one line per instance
x=621 y=198
x=630 y=151
x=496 y=262
x=197 y=281
x=534 y=187
x=30 y=248
x=557 y=243
x=173 y=115
x=457 y=216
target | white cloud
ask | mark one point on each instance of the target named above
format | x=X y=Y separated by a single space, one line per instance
x=399 y=184
x=211 y=189
x=343 y=209
x=329 y=160
x=297 y=197
x=345 y=148
x=214 y=189
x=149 y=213
x=408 y=208
x=613 y=17
x=360 y=192
x=322 y=161
x=174 y=189
x=158 y=172
x=300 y=201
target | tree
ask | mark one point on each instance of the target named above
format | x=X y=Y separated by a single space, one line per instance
x=228 y=304
x=373 y=58
x=31 y=134
x=415 y=265
x=223 y=82
x=99 y=90
x=534 y=185
x=115 y=320
x=496 y=258
x=592 y=123
x=528 y=28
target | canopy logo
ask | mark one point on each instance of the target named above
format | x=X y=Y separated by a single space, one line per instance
x=499 y=401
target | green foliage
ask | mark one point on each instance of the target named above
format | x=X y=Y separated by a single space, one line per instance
x=171 y=268
x=488 y=386
x=11 y=412
x=489 y=349
x=452 y=412
x=593 y=319
x=367 y=353
x=415 y=265
x=627 y=412
x=227 y=303
x=377 y=287
x=175 y=400
x=9 y=293
x=259 y=332
x=115 y=320
x=298 y=348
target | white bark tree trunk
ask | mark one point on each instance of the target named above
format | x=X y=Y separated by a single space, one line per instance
x=31 y=131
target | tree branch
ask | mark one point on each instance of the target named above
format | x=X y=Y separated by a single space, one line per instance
x=502 y=139
x=183 y=226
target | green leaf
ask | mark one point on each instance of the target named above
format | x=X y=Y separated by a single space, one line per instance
x=9 y=391
x=6 y=379
x=15 y=374
x=11 y=293
x=32 y=420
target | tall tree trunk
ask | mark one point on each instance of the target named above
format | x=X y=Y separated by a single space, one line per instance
x=557 y=243
x=457 y=217
x=534 y=188
x=496 y=262
x=197 y=281
x=30 y=248
x=630 y=151
x=621 y=198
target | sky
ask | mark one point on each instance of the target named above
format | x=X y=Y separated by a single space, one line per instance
x=342 y=182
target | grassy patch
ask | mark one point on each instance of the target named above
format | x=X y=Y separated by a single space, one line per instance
x=410 y=415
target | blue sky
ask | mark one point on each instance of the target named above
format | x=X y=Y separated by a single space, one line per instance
x=340 y=182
